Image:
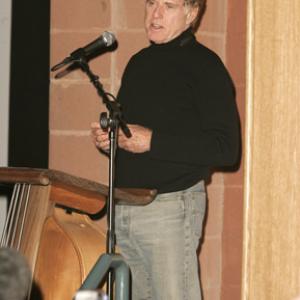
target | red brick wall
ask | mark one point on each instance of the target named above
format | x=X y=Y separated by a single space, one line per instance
x=74 y=104
x=232 y=237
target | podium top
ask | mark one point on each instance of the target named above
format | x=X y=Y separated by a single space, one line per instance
x=63 y=184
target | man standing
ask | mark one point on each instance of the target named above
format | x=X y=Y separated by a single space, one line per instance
x=178 y=100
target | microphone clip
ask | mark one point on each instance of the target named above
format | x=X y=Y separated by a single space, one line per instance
x=75 y=56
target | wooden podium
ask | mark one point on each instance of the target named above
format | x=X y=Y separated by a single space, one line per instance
x=48 y=222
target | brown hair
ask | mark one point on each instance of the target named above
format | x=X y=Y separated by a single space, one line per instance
x=201 y=5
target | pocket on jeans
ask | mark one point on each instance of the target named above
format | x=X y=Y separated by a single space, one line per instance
x=197 y=203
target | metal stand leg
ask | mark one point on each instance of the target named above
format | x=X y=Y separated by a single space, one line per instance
x=110 y=263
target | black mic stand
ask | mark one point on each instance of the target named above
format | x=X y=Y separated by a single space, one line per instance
x=112 y=124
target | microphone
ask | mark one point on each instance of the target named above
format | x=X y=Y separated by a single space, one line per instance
x=106 y=40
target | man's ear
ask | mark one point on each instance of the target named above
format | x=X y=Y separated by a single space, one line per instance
x=192 y=14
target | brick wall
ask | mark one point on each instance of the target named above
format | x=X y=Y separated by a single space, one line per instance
x=74 y=104
x=232 y=237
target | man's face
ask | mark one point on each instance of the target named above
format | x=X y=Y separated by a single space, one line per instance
x=166 y=19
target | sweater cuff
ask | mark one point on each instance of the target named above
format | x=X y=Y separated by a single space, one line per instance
x=159 y=145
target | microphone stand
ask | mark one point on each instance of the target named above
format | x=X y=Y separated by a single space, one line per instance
x=112 y=123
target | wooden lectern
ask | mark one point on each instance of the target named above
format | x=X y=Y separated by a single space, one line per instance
x=48 y=222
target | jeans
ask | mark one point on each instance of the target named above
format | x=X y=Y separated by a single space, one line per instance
x=159 y=242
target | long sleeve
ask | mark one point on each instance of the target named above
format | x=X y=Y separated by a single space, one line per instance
x=182 y=92
x=216 y=140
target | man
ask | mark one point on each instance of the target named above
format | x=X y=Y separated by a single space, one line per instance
x=179 y=102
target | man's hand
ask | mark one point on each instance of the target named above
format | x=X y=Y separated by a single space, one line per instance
x=99 y=137
x=139 y=142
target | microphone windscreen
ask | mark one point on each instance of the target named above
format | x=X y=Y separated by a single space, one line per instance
x=109 y=38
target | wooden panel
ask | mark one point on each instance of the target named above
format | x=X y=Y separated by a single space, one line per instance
x=37 y=211
x=272 y=187
x=75 y=192
x=70 y=246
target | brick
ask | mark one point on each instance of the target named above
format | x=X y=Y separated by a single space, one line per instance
x=214 y=218
x=231 y=293
x=212 y=294
x=217 y=179
x=214 y=19
x=233 y=212
x=236 y=57
x=232 y=261
x=78 y=156
x=211 y=263
x=74 y=106
x=235 y=178
x=80 y=15
x=129 y=14
x=237 y=16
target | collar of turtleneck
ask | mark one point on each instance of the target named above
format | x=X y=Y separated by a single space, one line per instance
x=183 y=39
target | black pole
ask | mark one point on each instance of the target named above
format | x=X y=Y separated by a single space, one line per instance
x=111 y=237
x=110 y=123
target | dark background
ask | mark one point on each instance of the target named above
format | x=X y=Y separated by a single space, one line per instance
x=29 y=84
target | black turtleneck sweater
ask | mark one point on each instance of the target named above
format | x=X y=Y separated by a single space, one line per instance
x=182 y=91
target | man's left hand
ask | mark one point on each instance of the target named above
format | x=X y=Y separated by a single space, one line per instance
x=139 y=142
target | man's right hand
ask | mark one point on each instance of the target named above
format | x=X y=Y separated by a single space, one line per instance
x=139 y=142
x=99 y=137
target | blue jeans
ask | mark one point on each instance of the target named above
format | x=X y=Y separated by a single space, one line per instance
x=159 y=241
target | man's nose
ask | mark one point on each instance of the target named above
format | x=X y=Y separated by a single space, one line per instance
x=158 y=11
